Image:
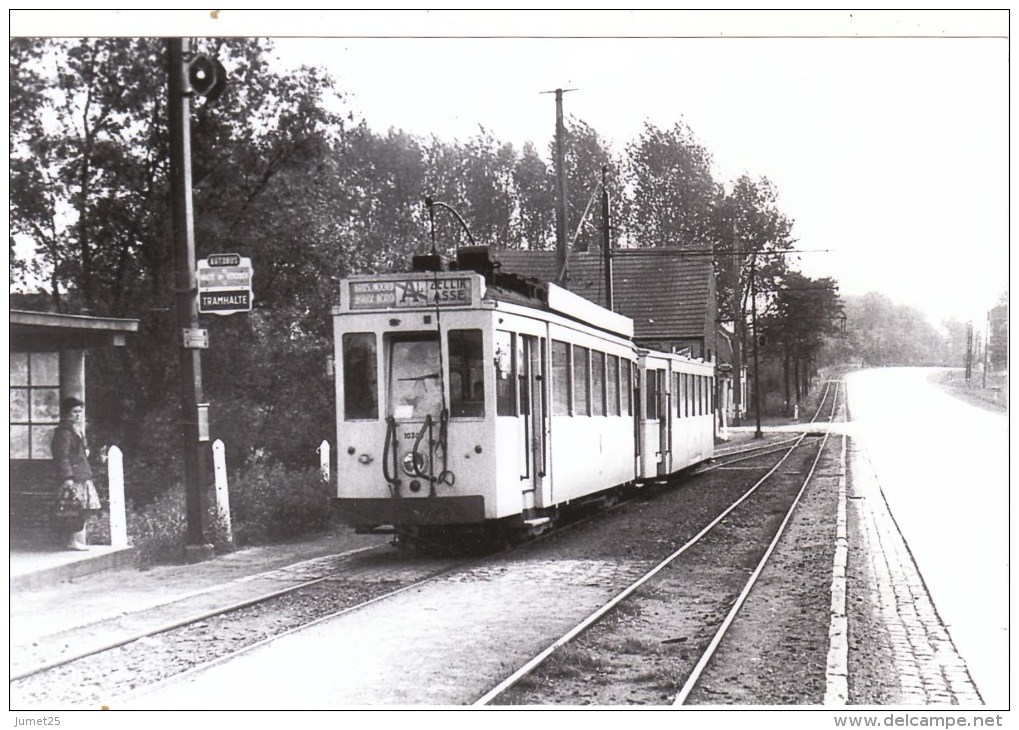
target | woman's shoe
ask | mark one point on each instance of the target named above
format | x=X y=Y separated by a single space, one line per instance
x=78 y=547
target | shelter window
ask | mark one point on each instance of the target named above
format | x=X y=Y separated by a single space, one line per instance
x=35 y=403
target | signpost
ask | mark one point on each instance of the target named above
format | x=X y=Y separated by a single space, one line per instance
x=224 y=284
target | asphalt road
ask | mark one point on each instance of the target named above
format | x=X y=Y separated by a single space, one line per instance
x=943 y=467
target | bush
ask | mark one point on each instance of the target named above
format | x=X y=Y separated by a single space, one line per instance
x=159 y=530
x=269 y=502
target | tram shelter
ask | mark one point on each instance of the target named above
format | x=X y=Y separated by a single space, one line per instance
x=48 y=353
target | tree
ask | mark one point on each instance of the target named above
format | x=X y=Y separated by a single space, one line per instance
x=671 y=192
x=803 y=314
x=89 y=150
x=998 y=340
x=585 y=156
x=535 y=193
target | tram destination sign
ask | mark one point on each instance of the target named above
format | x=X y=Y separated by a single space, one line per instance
x=446 y=291
x=224 y=284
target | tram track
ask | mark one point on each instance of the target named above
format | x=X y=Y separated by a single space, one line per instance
x=198 y=638
x=539 y=692
x=87 y=665
x=147 y=660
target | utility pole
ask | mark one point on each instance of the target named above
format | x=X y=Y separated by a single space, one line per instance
x=737 y=324
x=969 y=351
x=753 y=318
x=179 y=107
x=606 y=236
x=562 y=252
x=987 y=342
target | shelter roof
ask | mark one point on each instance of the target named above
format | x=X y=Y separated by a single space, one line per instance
x=48 y=330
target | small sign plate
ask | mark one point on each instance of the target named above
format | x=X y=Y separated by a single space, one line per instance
x=196 y=339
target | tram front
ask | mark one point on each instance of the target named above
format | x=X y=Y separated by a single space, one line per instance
x=411 y=444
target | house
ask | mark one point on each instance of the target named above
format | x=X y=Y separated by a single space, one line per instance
x=669 y=293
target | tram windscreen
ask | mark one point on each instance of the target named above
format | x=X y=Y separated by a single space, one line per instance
x=415 y=382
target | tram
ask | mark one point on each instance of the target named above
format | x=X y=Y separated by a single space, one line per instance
x=470 y=397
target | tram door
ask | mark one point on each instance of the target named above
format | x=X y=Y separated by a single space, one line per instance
x=664 y=432
x=531 y=378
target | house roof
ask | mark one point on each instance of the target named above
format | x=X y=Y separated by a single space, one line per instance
x=667 y=292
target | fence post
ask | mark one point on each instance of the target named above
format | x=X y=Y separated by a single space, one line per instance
x=323 y=460
x=118 y=509
x=222 y=489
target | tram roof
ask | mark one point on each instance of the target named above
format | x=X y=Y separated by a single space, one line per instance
x=667 y=292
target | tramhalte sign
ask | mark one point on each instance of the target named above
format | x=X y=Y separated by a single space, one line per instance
x=224 y=284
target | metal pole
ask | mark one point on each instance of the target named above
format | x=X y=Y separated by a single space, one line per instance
x=179 y=107
x=606 y=237
x=753 y=318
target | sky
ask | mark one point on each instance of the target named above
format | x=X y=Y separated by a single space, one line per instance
x=885 y=133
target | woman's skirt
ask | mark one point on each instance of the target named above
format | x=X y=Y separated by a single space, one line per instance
x=85 y=492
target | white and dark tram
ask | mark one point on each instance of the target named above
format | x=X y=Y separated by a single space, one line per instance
x=468 y=397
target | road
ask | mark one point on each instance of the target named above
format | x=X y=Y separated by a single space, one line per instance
x=943 y=468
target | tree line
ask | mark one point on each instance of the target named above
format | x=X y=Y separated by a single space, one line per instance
x=312 y=195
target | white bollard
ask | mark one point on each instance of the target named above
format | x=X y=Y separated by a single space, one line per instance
x=323 y=460
x=222 y=488
x=118 y=508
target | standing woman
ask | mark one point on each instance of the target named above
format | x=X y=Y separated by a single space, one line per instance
x=70 y=457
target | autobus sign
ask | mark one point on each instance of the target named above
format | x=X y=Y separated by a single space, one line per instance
x=225 y=259
x=224 y=284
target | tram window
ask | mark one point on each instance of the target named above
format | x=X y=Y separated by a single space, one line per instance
x=466 y=374
x=581 y=381
x=505 y=373
x=560 y=378
x=698 y=395
x=675 y=392
x=626 y=388
x=651 y=388
x=685 y=383
x=612 y=384
x=415 y=380
x=597 y=383
x=360 y=380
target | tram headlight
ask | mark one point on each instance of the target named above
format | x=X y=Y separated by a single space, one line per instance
x=413 y=463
